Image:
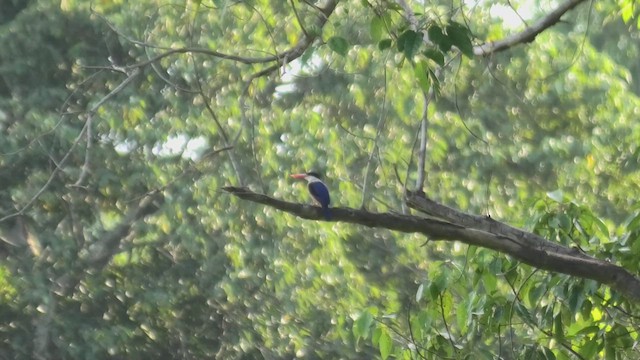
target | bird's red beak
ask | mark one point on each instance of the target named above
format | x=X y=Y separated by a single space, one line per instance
x=298 y=176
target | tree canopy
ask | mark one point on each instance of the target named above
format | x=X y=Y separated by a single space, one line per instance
x=483 y=160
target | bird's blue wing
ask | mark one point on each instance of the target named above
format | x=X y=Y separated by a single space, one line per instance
x=320 y=192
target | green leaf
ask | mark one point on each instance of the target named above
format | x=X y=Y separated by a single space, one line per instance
x=459 y=36
x=588 y=330
x=377 y=28
x=524 y=314
x=634 y=222
x=362 y=325
x=420 y=292
x=339 y=44
x=409 y=43
x=384 y=44
x=547 y=354
x=437 y=37
x=447 y=302
x=435 y=55
x=385 y=344
x=564 y=222
x=421 y=70
x=489 y=282
x=558 y=328
x=557 y=196
x=435 y=34
x=434 y=81
x=375 y=336
x=626 y=10
x=308 y=54
x=590 y=349
x=462 y=317
x=593 y=222
x=575 y=300
x=438 y=285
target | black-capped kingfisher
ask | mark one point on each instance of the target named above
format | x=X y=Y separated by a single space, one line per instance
x=318 y=191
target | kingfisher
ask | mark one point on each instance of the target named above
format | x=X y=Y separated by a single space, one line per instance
x=318 y=191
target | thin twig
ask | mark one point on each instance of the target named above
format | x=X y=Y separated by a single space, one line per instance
x=528 y=34
x=87 y=155
x=422 y=152
x=76 y=141
x=446 y=325
x=215 y=118
x=375 y=146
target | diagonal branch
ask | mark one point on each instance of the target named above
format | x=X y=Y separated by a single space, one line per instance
x=102 y=250
x=306 y=40
x=418 y=201
x=528 y=34
x=490 y=234
x=106 y=246
x=60 y=165
x=275 y=61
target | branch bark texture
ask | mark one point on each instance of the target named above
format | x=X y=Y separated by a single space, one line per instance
x=529 y=34
x=448 y=224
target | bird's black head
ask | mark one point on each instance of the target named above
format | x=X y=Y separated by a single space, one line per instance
x=314 y=174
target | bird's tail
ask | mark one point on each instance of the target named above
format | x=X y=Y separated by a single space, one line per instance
x=327 y=212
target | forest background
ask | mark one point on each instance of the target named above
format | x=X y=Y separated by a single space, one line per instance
x=138 y=137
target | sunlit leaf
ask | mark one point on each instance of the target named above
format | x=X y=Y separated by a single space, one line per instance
x=627 y=10
x=362 y=325
x=419 y=292
x=385 y=344
x=557 y=196
x=421 y=71
x=377 y=28
x=588 y=330
x=558 y=327
x=462 y=317
x=590 y=349
x=633 y=223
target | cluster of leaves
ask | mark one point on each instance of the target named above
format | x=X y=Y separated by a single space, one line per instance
x=425 y=44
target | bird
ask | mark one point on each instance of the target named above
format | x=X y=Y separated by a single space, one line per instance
x=318 y=191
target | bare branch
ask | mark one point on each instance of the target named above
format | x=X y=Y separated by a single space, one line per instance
x=486 y=233
x=528 y=34
x=42 y=336
x=240 y=59
x=87 y=154
x=375 y=146
x=424 y=129
x=122 y=85
x=409 y=15
x=214 y=116
x=76 y=141
x=276 y=60
x=306 y=40
x=101 y=251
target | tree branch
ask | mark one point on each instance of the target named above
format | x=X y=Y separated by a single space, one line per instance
x=106 y=246
x=276 y=60
x=528 y=34
x=102 y=250
x=473 y=230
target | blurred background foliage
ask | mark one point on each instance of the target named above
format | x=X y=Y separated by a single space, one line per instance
x=543 y=136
